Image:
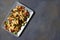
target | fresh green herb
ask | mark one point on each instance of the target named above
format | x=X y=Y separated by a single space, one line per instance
x=14 y=32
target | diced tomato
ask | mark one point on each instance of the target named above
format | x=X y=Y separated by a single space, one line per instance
x=20 y=7
x=26 y=14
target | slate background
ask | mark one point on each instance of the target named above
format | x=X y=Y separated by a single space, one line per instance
x=45 y=24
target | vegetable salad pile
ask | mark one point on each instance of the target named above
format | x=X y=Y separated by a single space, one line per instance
x=17 y=18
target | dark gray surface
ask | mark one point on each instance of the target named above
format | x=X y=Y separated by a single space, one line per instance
x=45 y=24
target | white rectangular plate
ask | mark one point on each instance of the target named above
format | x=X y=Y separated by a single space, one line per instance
x=22 y=28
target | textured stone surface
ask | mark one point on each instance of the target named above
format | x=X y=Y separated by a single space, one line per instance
x=45 y=24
